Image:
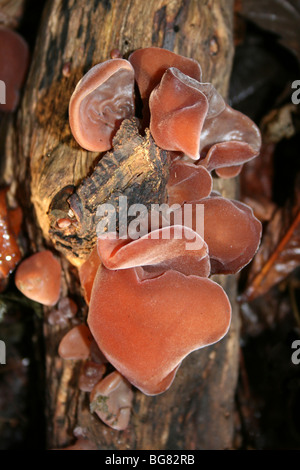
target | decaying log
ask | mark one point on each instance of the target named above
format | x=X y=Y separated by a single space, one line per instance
x=197 y=411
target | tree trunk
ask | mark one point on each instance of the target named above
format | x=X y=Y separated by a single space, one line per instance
x=197 y=411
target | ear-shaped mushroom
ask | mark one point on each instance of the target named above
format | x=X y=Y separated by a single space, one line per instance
x=146 y=327
x=178 y=109
x=76 y=343
x=100 y=102
x=231 y=232
x=175 y=247
x=188 y=182
x=150 y=63
x=216 y=103
x=229 y=171
x=228 y=157
x=39 y=278
x=111 y=399
x=14 y=59
x=230 y=125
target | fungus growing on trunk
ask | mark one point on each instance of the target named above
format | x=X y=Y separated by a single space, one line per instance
x=76 y=343
x=39 y=278
x=14 y=59
x=188 y=182
x=100 y=102
x=150 y=63
x=177 y=247
x=231 y=232
x=227 y=158
x=151 y=294
x=178 y=109
x=228 y=141
x=111 y=399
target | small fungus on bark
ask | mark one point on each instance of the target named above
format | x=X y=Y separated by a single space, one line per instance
x=39 y=278
x=111 y=399
x=76 y=343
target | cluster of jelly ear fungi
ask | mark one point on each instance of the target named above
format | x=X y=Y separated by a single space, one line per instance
x=151 y=301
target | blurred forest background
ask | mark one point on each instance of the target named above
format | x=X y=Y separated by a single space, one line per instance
x=267 y=411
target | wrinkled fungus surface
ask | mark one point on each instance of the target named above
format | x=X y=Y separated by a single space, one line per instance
x=100 y=102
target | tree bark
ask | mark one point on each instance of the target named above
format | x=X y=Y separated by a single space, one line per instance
x=197 y=411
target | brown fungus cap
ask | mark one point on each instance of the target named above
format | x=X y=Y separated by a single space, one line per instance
x=76 y=343
x=39 y=278
x=111 y=399
x=146 y=327
x=173 y=247
x=228 y=157
x=178 y=109
x=100 y=102
x=231 y=232
x=188 y=182
x=14 y=60
x=229 y=171
x=150 y=63
x=230 y=125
